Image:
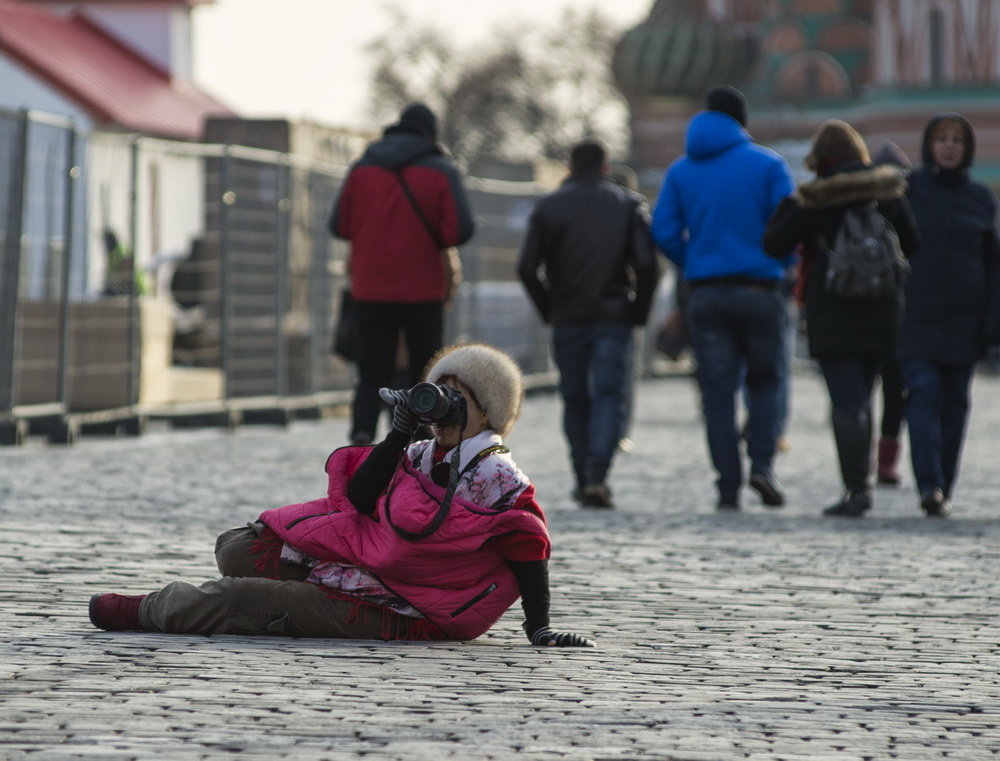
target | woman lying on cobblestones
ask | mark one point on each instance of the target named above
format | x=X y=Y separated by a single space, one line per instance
x=432 y=540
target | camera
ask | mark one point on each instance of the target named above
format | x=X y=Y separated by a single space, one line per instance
x=437 y=405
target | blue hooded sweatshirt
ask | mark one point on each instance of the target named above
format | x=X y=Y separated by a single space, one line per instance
x=716 y=200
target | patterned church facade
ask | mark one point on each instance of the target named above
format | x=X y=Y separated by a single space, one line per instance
x=886 y=66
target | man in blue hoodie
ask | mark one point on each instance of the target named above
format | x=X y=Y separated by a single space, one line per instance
x=709 y=220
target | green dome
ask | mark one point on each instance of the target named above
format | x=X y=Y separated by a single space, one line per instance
x=681 y=56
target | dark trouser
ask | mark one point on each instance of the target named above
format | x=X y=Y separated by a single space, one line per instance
x=937 y=409
x=378 y=328
x=738 y=335
x=850 y=381
x=595 y=376
x=243 y=603
x=893 y=398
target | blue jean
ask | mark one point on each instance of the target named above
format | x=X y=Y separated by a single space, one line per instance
x=738 y=337
x=937 y=409
x=595 y=375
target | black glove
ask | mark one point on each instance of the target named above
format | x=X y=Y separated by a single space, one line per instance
x=546 y=637
x=403 y=419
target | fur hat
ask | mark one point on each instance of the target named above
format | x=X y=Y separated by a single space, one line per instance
x=492 y=376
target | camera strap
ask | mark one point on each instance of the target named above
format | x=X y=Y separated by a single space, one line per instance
x=454 y=476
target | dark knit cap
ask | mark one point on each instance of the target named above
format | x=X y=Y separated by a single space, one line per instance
x=418 y=119
x=727 y=100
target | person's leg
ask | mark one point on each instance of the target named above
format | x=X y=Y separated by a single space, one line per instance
x=624 y=443
x=377 y=333
x=239 y=552
x=766 y=357
x=423 y=331
x=571 y=348
x=849 y=381
x=720 y=369
x=892 y=421
x=257 y=607
x=610 y=373
x=924 y=391
x=956 y=384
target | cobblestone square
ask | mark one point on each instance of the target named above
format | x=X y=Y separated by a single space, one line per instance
x=765 y=634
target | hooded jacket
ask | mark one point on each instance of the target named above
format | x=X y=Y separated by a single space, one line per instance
x=393 y=257
x=591 y=238
x=953 y=294
x=716 y=200
x=438 y=560
x=811 y=217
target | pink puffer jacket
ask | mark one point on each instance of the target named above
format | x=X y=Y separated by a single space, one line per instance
x=437 y=559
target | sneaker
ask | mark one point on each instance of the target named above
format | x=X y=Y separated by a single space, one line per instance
x=116 y=613
x=935 y=504
x=597 y=495
x=767 y=486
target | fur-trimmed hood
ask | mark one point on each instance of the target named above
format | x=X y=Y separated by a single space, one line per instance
x=879 y=183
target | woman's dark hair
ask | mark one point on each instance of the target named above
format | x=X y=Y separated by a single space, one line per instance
x=836 y=142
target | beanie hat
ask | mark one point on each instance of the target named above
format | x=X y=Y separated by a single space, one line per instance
x=491 y=375
x=727 y=100
x=418 y=119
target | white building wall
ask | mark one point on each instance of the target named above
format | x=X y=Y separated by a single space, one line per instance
x=21 y=89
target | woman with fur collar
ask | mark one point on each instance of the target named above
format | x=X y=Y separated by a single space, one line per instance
x=432 y=540
x=850 y=339
x=952 y=303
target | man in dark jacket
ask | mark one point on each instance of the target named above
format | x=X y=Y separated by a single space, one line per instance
x=952 y=304
x=402 y=205
x=589 y=266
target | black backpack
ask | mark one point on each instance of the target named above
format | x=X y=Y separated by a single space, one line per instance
x=865 y=261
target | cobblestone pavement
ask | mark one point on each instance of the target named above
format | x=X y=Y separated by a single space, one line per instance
x=759 y=635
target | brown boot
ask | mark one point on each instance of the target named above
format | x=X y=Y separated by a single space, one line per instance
x=888 y=454
x=116 y=613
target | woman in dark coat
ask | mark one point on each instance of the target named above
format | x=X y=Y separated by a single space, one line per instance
x=850 y=339
x=952 y=301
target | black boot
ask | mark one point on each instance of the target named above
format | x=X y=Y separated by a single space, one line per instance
x=851 y=505
x=853 y=435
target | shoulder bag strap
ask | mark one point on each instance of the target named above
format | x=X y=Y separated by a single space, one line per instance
x=416 y=207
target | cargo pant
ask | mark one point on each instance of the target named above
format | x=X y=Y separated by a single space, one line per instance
x=242 y=602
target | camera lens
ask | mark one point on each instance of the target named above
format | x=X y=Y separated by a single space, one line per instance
x=439 y=405
x=426 y=399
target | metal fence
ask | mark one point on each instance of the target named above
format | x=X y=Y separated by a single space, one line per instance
x=143 y=278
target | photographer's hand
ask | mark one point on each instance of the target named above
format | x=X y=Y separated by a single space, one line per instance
x=403 y=420
x=546 y=637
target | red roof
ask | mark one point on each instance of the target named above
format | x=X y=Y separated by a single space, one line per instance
x=118 y=87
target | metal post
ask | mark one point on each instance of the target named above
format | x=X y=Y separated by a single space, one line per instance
x=226 y=199
x=69 y=209
x=133 y=347
x=10 y=274
x=281 y=280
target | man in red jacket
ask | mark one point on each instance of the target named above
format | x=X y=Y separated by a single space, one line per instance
x=401 y=207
